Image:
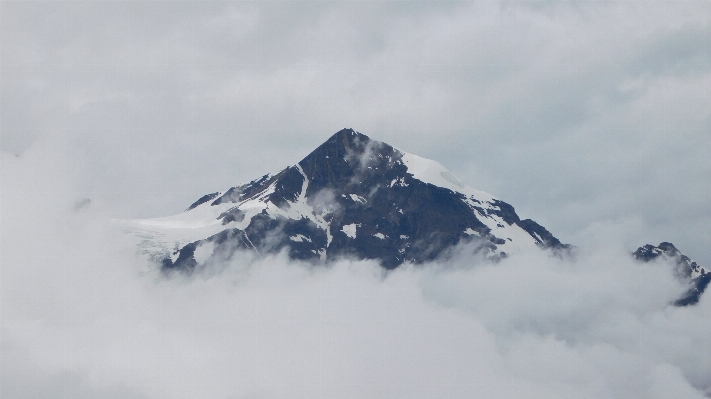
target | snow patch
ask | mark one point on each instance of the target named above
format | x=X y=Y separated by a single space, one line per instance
x=471 y=232
x=452 y=179
x=300 y=238
x=432 y=172
x=301 y=209
x=350 y=230
x=357 y=198
x=174 y=256
x=379 y=235
x=398 y=182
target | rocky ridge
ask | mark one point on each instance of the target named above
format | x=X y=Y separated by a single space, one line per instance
x=687 y=270
x=358 y=198
x=350 y=197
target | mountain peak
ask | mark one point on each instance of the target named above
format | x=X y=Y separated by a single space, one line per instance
x=347 y=134
x=686 y=269
x=340 y=143
x=350 y=197
x=360 y=198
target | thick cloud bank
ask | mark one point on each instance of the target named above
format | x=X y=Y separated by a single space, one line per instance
x=84 y=317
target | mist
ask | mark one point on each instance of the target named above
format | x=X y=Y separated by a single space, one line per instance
x=84 y=316
x=591 y=118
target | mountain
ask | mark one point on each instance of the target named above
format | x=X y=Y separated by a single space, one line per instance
x=687 y=270
x=359 y=198
x=351 y=197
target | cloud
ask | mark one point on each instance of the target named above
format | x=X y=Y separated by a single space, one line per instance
x=591 y=119
x=83 y=316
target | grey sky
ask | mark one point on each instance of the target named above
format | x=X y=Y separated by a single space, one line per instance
x=575 y=113
x=592 y=118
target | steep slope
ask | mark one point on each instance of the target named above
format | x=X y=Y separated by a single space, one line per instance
x=352 y=196
x=687 y=270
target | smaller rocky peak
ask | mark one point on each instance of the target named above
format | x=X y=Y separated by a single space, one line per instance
x=668 y=248
x=543 y=237
x=205 y=198
x=686 y=269
x=245 y=191
x=650 y=252
x=506 y=212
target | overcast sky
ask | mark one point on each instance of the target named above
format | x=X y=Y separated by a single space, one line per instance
x=575 y=113
x=592 y=118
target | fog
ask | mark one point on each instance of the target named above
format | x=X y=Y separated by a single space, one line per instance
x=83 y=316
x=591 y=118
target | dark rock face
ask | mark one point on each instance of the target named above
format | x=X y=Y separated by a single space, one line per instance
x=363 y=203
x=543 y=237
x=202 y=200
x=356 y=197
x=686 y=270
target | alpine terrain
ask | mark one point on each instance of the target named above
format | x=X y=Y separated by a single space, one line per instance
x=686 y=269
x=353 y=197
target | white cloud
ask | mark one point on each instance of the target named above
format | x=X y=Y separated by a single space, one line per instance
x=591 y=118
x=81 y=319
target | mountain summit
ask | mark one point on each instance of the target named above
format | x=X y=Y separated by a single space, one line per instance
x=359 y=198
x=351 y=197
x=687 y=270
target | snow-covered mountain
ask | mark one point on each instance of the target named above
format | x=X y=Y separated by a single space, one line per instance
x=359 y=198
x=352 y=196
x=686 y=269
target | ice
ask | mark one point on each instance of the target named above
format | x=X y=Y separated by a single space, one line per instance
x=301 y=209
x=350 y=230
x=300 y=238
x=471 y=232
x=429 y=171
x=169 y=233
x=357 y=198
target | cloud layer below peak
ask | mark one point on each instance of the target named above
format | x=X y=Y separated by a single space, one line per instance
x=84 y=317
